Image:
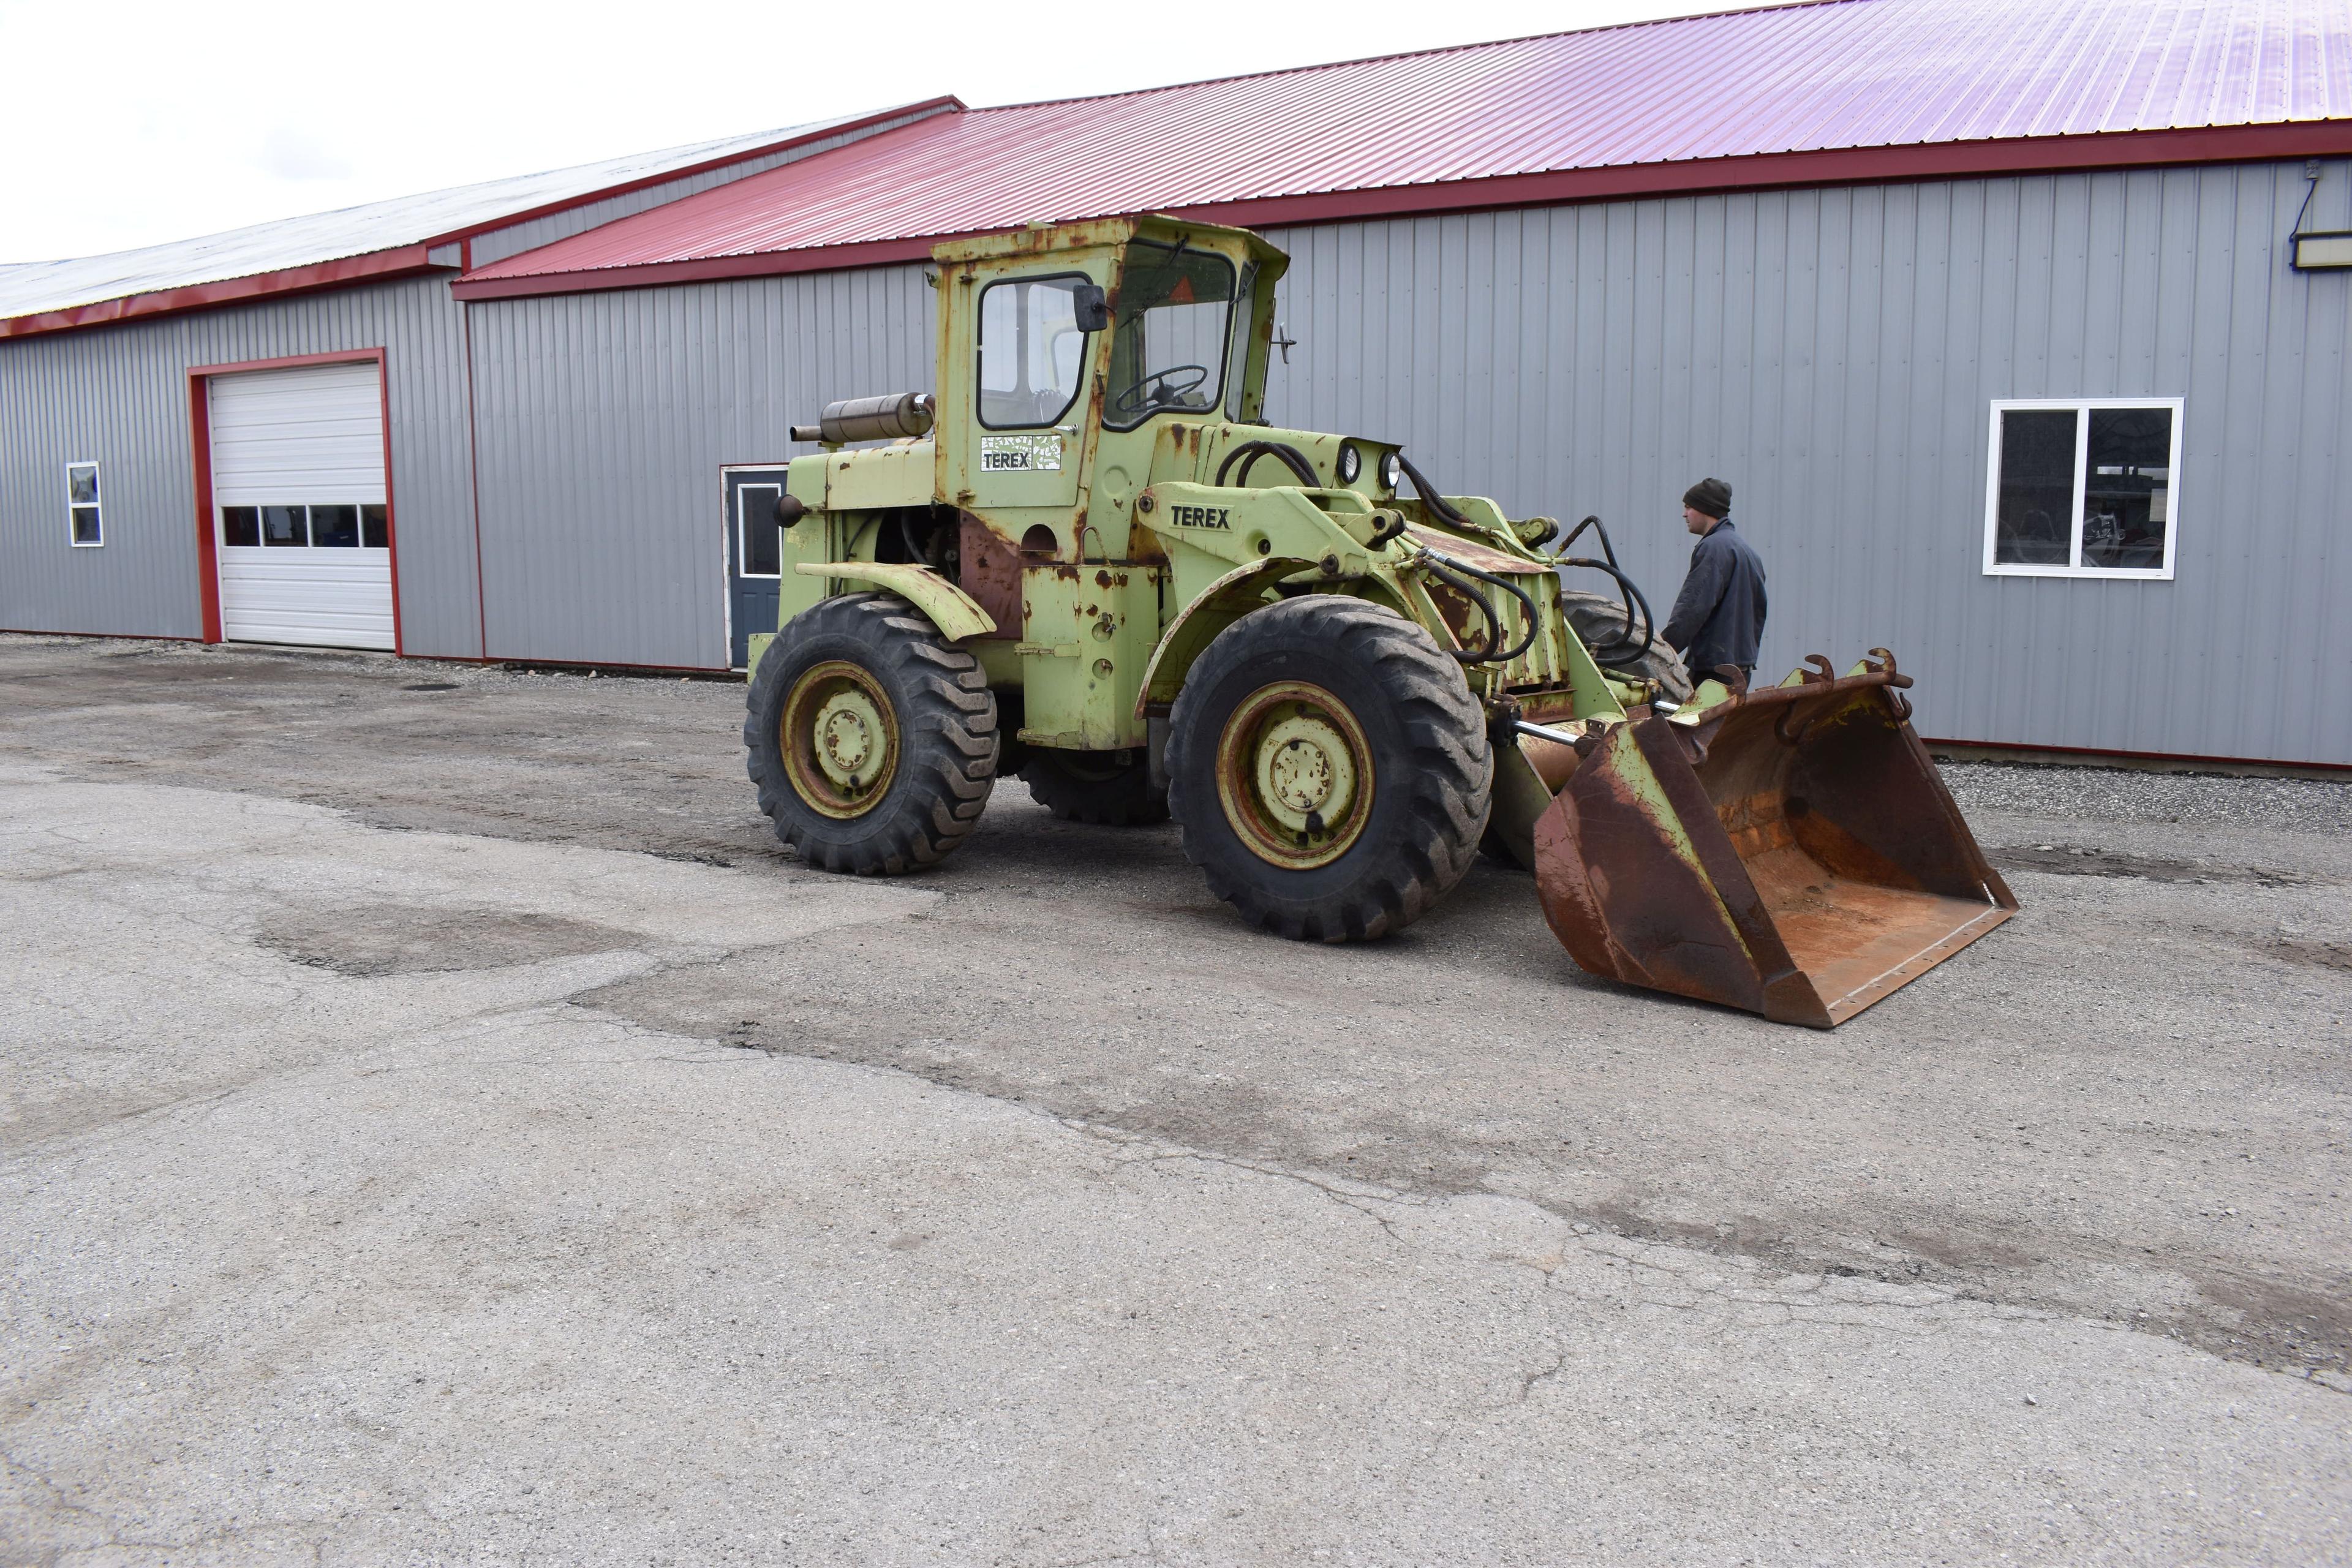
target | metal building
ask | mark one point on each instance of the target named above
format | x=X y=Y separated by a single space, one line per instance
x=2019 y=331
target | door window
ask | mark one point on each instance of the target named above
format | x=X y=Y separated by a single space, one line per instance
x=759 y=539
x=367 y=526
x=1032 y=353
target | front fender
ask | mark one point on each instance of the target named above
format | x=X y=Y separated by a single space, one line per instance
x=954 y=612
x=1219 y=605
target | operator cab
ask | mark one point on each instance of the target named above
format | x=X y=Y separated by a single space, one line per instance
x=1065 y=351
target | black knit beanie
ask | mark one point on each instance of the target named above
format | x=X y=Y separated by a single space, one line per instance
x=1712 y=497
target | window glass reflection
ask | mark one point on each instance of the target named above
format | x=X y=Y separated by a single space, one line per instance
x=335 y=527
x=2127 y=487
x=241 y=526
x=2034 y=519
x=284 y=525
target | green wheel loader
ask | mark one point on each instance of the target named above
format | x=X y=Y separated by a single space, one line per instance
x=1088 y=562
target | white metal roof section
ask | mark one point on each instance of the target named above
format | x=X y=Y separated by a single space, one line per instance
x=31 y=287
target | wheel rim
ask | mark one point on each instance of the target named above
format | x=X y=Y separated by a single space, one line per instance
x=1295 y=775
x=840 y=739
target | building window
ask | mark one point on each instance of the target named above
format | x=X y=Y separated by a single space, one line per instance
x=2083 y=488
x=365 y=527
x=83 y=524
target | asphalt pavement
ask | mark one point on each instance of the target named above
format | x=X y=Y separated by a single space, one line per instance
x=438 y=1123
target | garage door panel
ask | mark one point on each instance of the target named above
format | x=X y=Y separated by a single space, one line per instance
x=293 y=439
x=319 y=601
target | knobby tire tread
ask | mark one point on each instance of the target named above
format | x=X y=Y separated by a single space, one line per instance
x=1446 y=769
x=947 y=736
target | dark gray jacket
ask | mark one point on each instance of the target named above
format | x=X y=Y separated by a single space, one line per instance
x=1719 y=615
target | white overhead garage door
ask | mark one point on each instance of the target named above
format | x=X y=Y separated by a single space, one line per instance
x=299 y=501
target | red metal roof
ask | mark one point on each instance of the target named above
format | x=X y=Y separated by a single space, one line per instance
x=1839 y=89
x=380 y=239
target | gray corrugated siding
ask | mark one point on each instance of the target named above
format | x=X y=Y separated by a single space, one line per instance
x=119 y=395
x=605 y=419
x=1834 y=354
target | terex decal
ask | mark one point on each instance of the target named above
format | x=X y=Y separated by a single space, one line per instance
x=1201 y=516
x=1021 y=454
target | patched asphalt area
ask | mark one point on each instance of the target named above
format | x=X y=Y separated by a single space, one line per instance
x=328 y=901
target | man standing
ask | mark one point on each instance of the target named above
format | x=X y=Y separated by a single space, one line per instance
x=1720 y=615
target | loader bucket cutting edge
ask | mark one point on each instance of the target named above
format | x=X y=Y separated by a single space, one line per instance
x=1793 y=854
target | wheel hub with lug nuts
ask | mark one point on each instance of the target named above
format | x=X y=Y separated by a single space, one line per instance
x=1294 y=774
x=839 y=739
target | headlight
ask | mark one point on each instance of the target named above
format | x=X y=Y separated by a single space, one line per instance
x=1391 y=470
x=1351 y=462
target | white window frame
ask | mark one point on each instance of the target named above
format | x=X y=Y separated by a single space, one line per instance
x=2083 y=407
x=97 y=505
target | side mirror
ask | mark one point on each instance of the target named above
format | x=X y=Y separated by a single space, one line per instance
x=1092 y=307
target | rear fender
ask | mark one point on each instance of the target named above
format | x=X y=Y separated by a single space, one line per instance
x=954 y=612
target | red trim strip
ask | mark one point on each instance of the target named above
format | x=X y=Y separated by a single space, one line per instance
x=391 y=511
x=1841 y=167
x=289 y=361
x=114 y=637
x=763 y=264
x=200 y=428
x=404 y=261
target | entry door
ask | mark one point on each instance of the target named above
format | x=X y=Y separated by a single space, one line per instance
x=1023 y=427
x=754 y=556
x=303 y=534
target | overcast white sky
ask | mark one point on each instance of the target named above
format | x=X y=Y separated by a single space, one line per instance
x=129 y=125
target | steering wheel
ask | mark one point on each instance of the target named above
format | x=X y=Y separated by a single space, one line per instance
x=1133 y=398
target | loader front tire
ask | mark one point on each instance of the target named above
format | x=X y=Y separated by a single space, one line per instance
x=1329 y=768
x=1096 y=787
x=872 y=739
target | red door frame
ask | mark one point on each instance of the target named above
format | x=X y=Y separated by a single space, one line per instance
x=200 y=425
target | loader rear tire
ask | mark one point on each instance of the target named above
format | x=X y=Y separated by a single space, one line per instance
x=872 y=738
x=1602 y=622
x=1096 y=787
x=1319 y=701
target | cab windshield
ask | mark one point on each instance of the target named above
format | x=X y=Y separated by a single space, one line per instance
x=1170 y=343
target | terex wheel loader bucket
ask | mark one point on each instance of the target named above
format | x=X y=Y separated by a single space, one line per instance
x=1794 y=853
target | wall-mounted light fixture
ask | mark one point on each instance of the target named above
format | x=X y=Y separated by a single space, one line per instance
x=2323 y=248
x=2314 y=251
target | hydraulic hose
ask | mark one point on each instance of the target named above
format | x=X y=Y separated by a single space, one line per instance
x=1430 y=497
x=1444 y=567
x=1249 y=452
x=1631 y=594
